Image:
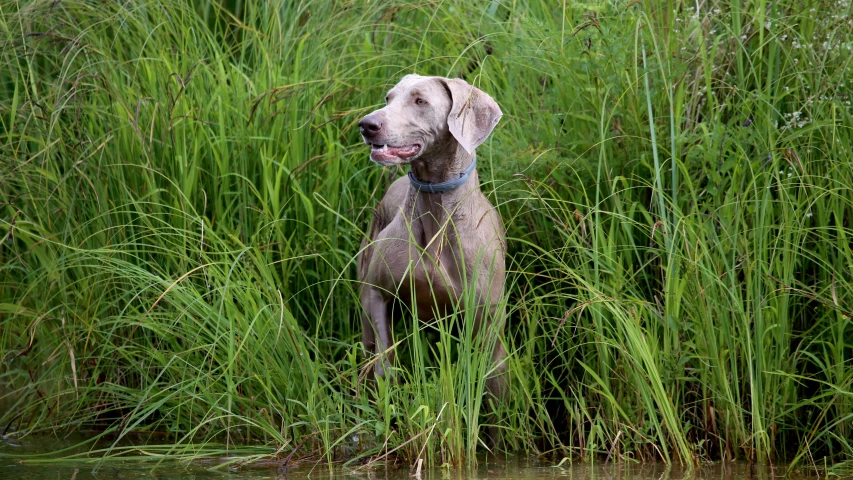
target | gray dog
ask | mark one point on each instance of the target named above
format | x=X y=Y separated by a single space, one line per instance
x=434 y=231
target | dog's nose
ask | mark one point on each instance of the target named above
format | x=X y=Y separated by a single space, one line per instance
x=369 y=126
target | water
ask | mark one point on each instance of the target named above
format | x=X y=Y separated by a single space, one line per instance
x=490 y=468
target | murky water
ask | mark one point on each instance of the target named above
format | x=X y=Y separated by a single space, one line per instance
x=490 y=468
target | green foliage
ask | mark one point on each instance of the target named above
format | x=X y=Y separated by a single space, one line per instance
x=184 y=191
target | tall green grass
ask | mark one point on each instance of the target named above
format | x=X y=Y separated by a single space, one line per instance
x=184 y=191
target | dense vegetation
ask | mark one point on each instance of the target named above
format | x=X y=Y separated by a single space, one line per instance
x=184 y=190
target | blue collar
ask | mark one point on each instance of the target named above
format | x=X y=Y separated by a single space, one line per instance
x=443 y=186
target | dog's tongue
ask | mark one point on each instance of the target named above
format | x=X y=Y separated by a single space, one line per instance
x=387 y=152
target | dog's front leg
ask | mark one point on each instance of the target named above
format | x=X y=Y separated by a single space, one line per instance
x=376 y=328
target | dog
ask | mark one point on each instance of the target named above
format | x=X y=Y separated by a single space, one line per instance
x=434 y=232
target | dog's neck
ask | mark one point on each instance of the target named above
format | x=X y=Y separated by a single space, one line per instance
x=433 y=210
x=442 y=166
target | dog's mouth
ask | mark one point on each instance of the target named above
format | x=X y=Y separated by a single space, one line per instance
x=388 y=154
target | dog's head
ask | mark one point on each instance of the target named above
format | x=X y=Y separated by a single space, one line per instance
x=424 y=115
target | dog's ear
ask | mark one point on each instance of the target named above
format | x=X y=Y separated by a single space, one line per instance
x=473 y=115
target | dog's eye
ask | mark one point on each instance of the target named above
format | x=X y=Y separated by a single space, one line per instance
x=386 y=98
x=420 y=101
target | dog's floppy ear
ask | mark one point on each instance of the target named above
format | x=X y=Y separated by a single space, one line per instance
x=473 y=115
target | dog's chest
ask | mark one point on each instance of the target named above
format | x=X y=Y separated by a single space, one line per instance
x=420 y=264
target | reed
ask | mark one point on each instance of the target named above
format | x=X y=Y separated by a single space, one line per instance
x=184 y=190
